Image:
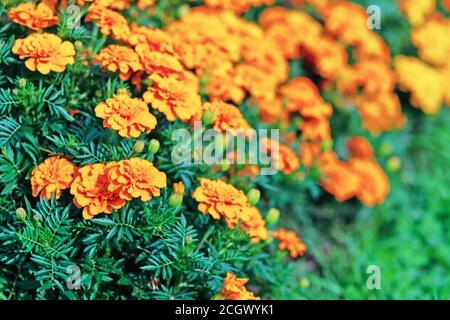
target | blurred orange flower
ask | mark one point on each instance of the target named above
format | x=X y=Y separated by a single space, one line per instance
x=234 y=289
x=119 y=58
x=34 y=17
x=290 y=241
x=227 y=117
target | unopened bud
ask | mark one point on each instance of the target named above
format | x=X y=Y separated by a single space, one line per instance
x=304 y=283
x=139 y=146
x=208 y=117
x=175 y=200
x=122 y=91
x=253 y=196
x=394 y=163
x=386 y=148
x=273 y=215
x=21 y=213
x=22 y=82
x=153 y=147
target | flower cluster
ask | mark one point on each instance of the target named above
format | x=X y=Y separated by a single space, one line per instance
x=289 y=241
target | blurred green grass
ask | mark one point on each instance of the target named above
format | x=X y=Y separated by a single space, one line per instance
x=408 y=236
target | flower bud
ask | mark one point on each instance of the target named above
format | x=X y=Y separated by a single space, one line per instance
x=273 y=215
x=139 y=146
x=386 y=148
x=175 y=200
x=253 y=196
x=22 y=82
x=78 y=44
x=304 y=283
x=224 y=166
x=122 y=91
x=21 y=213
x=394 y=163
x=153 y=147
x=208 y=117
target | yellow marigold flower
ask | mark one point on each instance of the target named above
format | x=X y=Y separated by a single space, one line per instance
x=109 y=22
x=416 y=11
x=52 y=176
x=433 y=40
x=359 y=147
x=153 y=62
x=34 y=17
x=173 y=98
x=220 y=199
x=285 y=159
x=338 y=178
x=422 y=81
x=381 y=113
x=227 y=117
x=44 y=52
x=136 y=178
x=374 y=184
x=119 y=58
x=129 y=116
x=234 y=289
x=90 y=190
x=290 y=241
x=254 y=224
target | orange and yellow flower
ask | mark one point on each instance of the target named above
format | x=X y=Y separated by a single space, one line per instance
x=45 y=52
x=52 y=176
x=90 y=191
x=254 y=224
x=135 y=178
x=129 y=116
x=227 y=117
x=234 y=289
x=290 y=241
x=220 y=199
x=34 y=17
x=119 y=58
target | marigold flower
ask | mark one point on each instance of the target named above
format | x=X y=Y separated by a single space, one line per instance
x=223 y=87
x=285 y=159
x=129 y=116
x=109 y=22
x=310 y=152
x=173 y=98
x=237 y=6
x=290 y=241
x=422 y=81
x=44 y=52
x=90 y=190
x=234 y=289
x=160 y=63
x=156 y=39
x=254 y=224
x=135 y=178
x=416 y=11
x=227 y=117
x=118 y=58
x=34 y=17
x=359 y=147
x=272 y=109
x=52 y=176
x=374 y=184
x=220 y=199
x=338 y=178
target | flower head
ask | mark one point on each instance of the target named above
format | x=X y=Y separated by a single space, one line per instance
x=34 y=17
x=90 y=191
x=220 y=199
x=227 y=117
x=359 y=147
x=234 y=289
x=127 y=115
x=119 y=58
x=135 y=178
x=44 y=52
x=290 y=241
x=109 y=22
x=52 y=176
x=285 y=159
x=254 y=224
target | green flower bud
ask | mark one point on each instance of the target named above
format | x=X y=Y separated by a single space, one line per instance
x=304 y=283
x=139 y=146
x=253 y=196
x=175 y=200
x=22 y=82
x=394 y=163
x=273 y=215
x=21 y=213
x=224 y=166
x=153 y=147
x=386 y=148
x=208 y=117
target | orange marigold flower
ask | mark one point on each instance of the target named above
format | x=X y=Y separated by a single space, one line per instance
x=136 y=178
x=127 y=115
x=416 y=11
x=119 y=58
x=90 y=190
x=220 y=199
x=109 y=22
x=290 y=241
x=52 y=176
x=310 y=152
x=254 y=224
x=156 y=39
x=285 y=159
x=44 y=52
x=34 y=17
x=173 y=98
x=234 y=289
x=223 y=87
x=338 y=178
x=359 y=147
x=237 y=6
x=374 y=184
x=152 y=62
x=315 y=129
x=254 y=80
x=271 y=109
x=251 y=171
x=227 y=117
